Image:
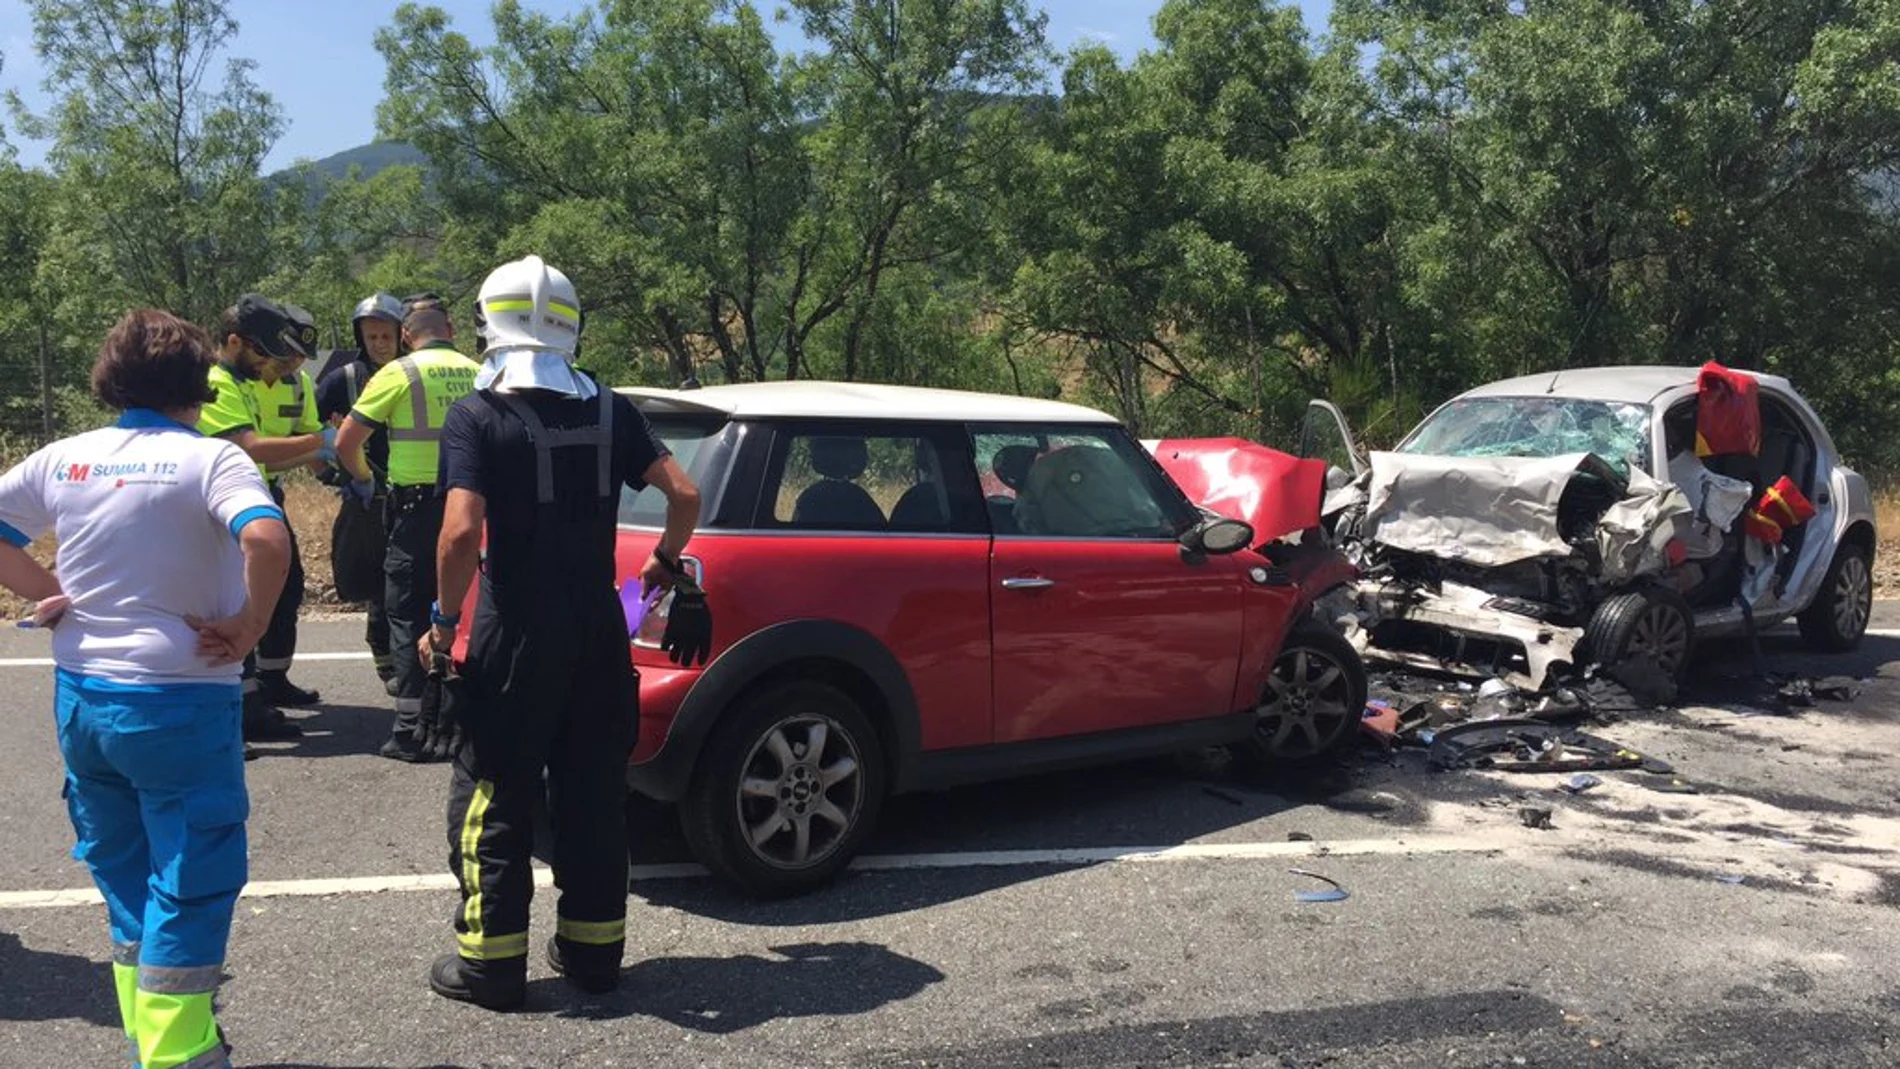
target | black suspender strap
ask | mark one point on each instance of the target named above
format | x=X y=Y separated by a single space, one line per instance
x=600 y=436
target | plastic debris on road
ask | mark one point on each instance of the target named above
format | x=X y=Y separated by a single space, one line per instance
x=1335 y=893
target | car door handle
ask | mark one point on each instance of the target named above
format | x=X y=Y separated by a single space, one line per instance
x=1024 y=583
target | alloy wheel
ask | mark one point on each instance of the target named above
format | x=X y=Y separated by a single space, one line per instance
x=1662 y=635
x=1853 y=597
x=801 y=791
x=1308 y=696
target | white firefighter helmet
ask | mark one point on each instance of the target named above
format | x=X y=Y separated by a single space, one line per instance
x=381 y=306
x=527 y=305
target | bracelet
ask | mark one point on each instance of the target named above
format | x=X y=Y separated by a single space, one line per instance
x=436 y=619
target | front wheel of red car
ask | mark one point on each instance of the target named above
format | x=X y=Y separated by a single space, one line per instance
x=1313 y=701
x=788 y=787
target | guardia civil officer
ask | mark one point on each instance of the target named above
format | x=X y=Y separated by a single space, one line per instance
x=171 y=554
x=538 y=456
x=377 y=325
x=257 y=341
x=408 y=398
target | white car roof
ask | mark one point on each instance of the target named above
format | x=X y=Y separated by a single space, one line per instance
x=811 y=399
x=1636 y=384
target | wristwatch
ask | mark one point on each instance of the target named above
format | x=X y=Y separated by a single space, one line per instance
x=437 y=619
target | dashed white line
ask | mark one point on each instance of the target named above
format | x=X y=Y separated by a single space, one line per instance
x=442 y=881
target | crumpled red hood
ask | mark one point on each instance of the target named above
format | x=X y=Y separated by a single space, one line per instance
x=1276 y=492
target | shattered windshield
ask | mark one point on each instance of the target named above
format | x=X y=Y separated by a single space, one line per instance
x=1536 y=427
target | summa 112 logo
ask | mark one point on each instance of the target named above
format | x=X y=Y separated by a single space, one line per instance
x=74 y=473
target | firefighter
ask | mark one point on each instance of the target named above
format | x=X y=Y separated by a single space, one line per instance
x=257 y=340
x=408 y=398
x=537 y=457
x=377 y=325
x=170 y=559
x=286 y=408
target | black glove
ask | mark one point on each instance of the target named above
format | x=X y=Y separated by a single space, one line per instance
x=689 y=626
x=439 y=725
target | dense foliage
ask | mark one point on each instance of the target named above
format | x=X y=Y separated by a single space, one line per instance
x=1425 y=194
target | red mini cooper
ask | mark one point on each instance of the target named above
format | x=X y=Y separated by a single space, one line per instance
x=918 y=588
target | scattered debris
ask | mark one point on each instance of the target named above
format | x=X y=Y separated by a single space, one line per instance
x=1529 y=746
x=1381 y=723
x=1336 y=894
x=1535 y=816
x=1298 y=837
x=1732 y=880
x=1582 y=782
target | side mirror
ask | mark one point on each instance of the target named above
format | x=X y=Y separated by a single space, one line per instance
x=1218 y=537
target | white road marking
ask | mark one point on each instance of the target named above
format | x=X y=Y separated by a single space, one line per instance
x=47 y=662
x=442 y=881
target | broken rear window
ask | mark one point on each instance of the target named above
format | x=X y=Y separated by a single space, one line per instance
x=1536 y=427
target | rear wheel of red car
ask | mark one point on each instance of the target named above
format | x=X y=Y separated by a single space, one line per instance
x=788 y=787
x=1313 y=700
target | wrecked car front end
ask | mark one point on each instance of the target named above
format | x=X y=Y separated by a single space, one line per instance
x=1495 y=566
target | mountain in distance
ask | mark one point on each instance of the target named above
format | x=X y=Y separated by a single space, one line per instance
x=375 y=157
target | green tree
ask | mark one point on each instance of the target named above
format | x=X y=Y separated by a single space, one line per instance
x=157 y=148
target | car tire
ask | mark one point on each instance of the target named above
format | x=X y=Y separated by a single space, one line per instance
x=1314 y=699
x=764 y=814
x=1651 y=624
x=1837 y=618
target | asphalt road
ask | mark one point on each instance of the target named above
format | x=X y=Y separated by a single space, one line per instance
x=1749 y=923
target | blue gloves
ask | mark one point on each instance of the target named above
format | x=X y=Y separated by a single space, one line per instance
x=327 y=454
x=360 y=492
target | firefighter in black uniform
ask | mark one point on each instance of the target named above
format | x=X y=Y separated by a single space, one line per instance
x=537 y=456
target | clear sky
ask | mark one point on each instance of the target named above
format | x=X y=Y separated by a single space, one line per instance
x=316 y=58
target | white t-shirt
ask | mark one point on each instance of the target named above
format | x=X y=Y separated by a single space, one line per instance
x=146 y=514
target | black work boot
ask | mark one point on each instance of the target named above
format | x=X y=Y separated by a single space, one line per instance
x=492 y=985
x=264 y=722
x=592 y=981
x=277 y=689
x=402 y=746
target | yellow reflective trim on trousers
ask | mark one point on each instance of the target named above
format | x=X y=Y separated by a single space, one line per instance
x=492 y=947
x=126 y=979
x=175 y=1030
x=592 y=933
x=471 y=864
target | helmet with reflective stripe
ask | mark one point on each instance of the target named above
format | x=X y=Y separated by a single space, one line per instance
x=381 y=306
x=528 y=305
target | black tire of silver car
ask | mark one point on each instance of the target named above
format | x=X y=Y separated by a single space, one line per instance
x=1838 y=616
x=1651 y=624
x=788 y=786
x=1314 y=699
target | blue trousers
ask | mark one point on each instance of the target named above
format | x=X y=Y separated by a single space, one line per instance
x=155 y=789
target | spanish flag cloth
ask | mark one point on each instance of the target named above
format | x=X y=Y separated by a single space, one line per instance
x=1782 y=506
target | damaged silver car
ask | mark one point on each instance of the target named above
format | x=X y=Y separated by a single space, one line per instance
x=1535 y=526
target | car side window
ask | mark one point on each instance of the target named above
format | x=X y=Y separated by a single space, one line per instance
x=1079 y=483
x=874 y=479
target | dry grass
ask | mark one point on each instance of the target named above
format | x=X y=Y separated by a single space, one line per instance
x=1887 y=555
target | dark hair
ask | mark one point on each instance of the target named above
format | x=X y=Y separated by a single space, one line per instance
x=153 y=359
x=427 y=320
